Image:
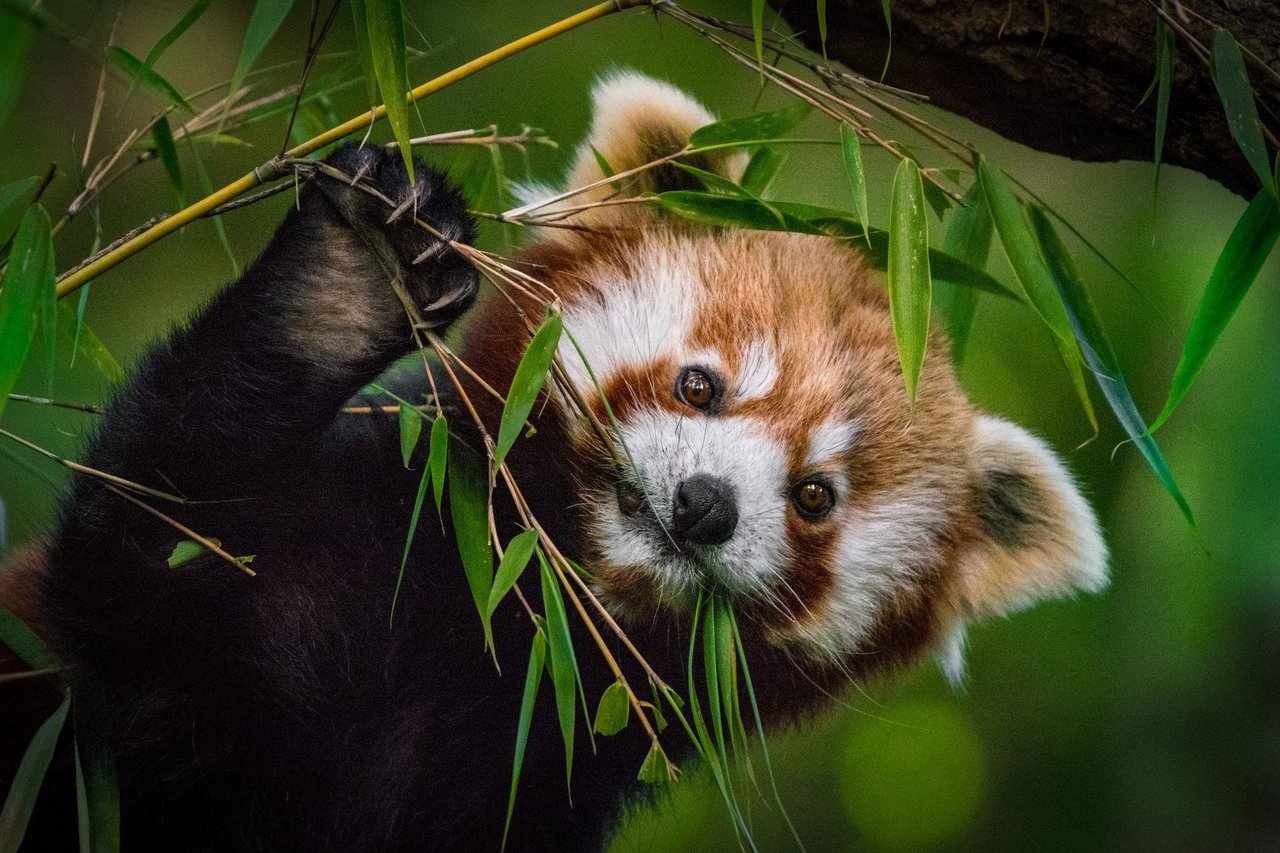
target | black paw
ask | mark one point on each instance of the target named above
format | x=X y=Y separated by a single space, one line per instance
x=377 y=201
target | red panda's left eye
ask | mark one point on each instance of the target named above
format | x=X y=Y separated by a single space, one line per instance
x=813 y=499
x=697 y=388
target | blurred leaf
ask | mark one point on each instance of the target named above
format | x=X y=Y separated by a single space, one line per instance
x=757 y=30
x=87 y=344
x=532 y=678
x=1232 y=79
x=1021 y=248
x=564 y=664
x=438 y=458
x=27 y=779
x=413 y=531
x=193 y=14
x=614 y=710
x=751 y=128
x=206 y=189
x=14 y=199
x=97 y=802
x=131 y=65
x=24 y=642
x=762 y=169
x=364 y=52
x=822 y=26
x=1099 y=355
x=910 y=286
x=1247 y=248
x=713 y=182
x=514 y=561
x=410 y=431
x=16 y=26
x=469 y=510
x=529 y=378
x=28 y=276
x=1164 y=86
x=387 y=43
x=267 y=17
x=851 y=149
x=968 y=239
x=167 y=151
x=657 y=768
x=888 y=25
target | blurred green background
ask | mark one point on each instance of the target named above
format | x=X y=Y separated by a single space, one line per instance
x=1147 y=717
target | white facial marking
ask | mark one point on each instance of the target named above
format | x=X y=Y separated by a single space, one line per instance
x=759 y=371
x=628 y=322
x=878 y=554
x=829 y=440
x=669 y=448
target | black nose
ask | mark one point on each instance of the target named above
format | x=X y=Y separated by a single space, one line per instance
x=706 y=510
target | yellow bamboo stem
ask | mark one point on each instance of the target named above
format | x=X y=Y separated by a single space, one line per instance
x=87 y=273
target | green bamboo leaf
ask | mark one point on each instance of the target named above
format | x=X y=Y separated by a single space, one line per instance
x=97 y=802
x=564 y=665
x=656 y=769
x=438 y=458
x=750 y=128
x=1232 y=79
x=187 y=550
x=408 y=539
x=532 y=678
x=1164 y=86
x=1247 y=248
x=29 y=275
x=1100 y=356
x=206 y=188
x=86 y=343
x=713 y=182
x=762 y=169
x=910 y=285
x=27 y=779
x=968 y=239
x=725 y=211
x=605 y=169
x=266 y=18
x=131 y=65
x=364 y=52
x=614 y=710
x=822 y=26
x=529 y=378
x=410 y=431
x=514 y=561
x=1021 y=248
x=167 y=151
x=14 y=199
x=469 y=510
x=757 y=30
x=184 y=23
x=23 y=642
x=851 y=149
x=888 y=25
x=387 y=44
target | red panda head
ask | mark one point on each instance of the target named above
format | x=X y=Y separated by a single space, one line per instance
x=770 y=450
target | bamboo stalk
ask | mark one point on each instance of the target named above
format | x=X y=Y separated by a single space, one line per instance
x=272 y=169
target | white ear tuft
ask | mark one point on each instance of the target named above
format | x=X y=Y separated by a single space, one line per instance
x=1037 y=537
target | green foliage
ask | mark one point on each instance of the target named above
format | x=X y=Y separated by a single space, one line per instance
x=851 y=149
x=530 y=376
x=533 y=677
x=385 y=19
x=144 y=76
x=1238 y=102
x=97 y=802
x=614 y=710
x=184 y=23
x=969 y=240
x=266 y=18
x=910 y=283
x=27 y=285
x=28 y=778
x=750 y=129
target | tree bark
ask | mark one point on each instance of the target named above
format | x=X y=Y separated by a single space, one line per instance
x=1075 y=90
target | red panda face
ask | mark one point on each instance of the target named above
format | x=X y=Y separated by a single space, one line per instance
x=765 y=446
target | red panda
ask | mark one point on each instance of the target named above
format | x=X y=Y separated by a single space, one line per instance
x=772 y=454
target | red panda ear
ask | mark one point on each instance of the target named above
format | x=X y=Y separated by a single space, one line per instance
x=1036 y=535
x=635 y=120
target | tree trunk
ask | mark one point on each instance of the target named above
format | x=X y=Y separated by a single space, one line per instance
x=1075 y=91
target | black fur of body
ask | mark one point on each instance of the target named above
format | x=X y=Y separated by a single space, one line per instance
x=283 y=711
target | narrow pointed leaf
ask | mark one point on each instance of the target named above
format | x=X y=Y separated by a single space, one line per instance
x=167 y=151
x=147 y=77
x=28 y=276
x=968 y=239
x=757 y=30
x=888 y=25
x=1242 y=258
x=762 y=169
x=614 y=710
x=1100 y=356
x=184 y=23
x=97 y=801
x=14 y=199
x=87 y=344
x=469 y=510
x=1023 y=251
x=529 y=378
x=1164 y=86
x=750 y=128
x=822 y=26
x=564 y=666
x=532 y=678
x=1232 y=79
x=418 y=498
x=387 y=43
x=364 y=53
x=438 y=458
x=910 y=285
x=27 y=779
x=851 y=149
x=514 y=561
x=410 y=432
x=206 y=187
x=23 y=642
x=727 y=211
x=266 y=18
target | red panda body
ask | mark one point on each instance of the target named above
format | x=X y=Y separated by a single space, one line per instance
x=772 y=455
